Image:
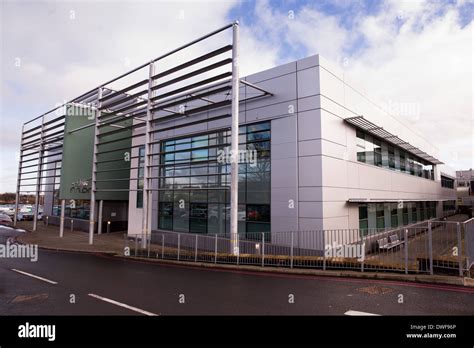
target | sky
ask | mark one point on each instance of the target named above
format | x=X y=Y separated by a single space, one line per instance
x=417 y=53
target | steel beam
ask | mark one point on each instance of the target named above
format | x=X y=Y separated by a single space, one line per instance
x=234 y=187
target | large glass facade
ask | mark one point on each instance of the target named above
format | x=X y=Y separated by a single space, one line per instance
x=377 y=217
x=376 y=152
x=195 y=182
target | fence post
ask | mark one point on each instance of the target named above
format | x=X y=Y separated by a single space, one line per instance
x=163 y=246
x=362 y=250
x=263 y=249
x=291 y=259
x=196 y=249
x=215 y=249
x=467 y=242
x=406 y=250
x=238 y=249
x=430 y=247
x=149 y=242
x=458 y=230
x=179 y=244
x=323 y=234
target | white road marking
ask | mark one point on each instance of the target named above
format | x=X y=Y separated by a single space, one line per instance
x=34 y=276
x=123 y=305
x=356 y=313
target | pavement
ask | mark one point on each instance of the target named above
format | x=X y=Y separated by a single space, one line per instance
x=48 y=237
x=102 y=284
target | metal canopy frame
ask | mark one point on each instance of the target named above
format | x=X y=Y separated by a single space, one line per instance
x=369 y=127
x=145 y=107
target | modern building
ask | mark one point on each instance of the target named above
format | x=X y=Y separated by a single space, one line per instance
x=315 y=154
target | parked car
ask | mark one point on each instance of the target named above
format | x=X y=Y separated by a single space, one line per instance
x=4 y=218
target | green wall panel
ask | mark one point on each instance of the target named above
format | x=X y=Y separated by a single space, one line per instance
x=76 y=171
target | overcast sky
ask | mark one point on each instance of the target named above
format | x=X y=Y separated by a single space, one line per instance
x=400 y=53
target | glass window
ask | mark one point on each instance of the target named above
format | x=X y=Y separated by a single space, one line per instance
x=165 y=215
x=394 y=215
x=380 y=216
x=391 y=157
x=259 y=213
x=377 y=152
x=363 y=219
x=193 y=176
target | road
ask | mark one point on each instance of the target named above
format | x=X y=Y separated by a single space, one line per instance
x=104 y=285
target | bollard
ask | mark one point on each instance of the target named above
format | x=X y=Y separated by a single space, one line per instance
x=72 y=225
x=108 y=226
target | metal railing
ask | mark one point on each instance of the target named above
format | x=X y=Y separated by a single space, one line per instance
x=431 y=247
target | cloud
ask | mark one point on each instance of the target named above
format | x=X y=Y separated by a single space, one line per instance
x=400 y=51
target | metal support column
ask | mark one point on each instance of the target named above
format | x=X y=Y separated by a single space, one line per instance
x=61 y=221
x=234 y=187
x=17 y=197
x=146 y=169
x=405 y=246
x=430 y=246
x=99 y=220
x=292 y=250
x=94 y=171
x=458 y=232
x=38 y=177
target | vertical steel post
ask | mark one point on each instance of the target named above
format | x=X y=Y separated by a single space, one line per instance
x=179 y=244
x=362 y=250
x=215 y=249
x=61 y=221
x=38 y=176
x=234 y=187
x=238 y=254
x=196 y=249
x=430 y=247
x=72 y=225
x=99 y=220
x=94 y=169
x=458 y=232
x=291 y=255
x=18 y=182
x=148 y=246
x=146 y=165
x=263 y=249
x=406 y=250
x=323 y=234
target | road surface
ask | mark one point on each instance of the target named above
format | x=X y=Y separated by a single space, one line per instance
x=103 y=285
